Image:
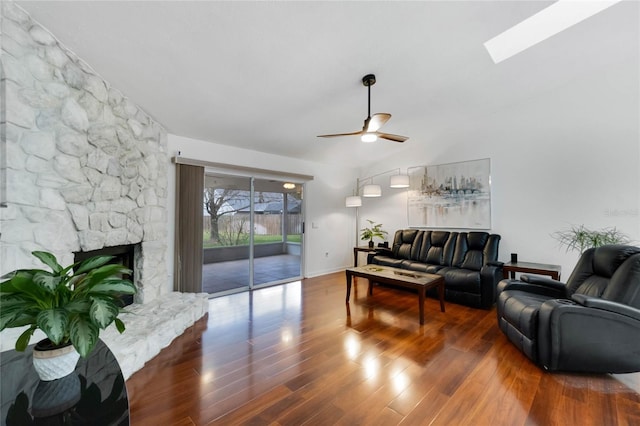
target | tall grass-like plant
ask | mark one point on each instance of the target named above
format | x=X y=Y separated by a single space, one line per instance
x=580 y=238
x=69 y=304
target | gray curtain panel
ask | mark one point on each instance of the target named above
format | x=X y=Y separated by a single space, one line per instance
x=188 y=247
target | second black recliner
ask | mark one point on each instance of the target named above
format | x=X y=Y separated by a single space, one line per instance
x=589 y=324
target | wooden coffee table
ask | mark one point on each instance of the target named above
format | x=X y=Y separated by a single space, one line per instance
x=420 y=281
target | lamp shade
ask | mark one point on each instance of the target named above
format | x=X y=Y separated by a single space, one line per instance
x=353 y=201
x=372 y=191
x=399 y=181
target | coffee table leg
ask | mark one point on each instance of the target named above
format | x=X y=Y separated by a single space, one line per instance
x=441 y=295
x=421 y=301
x=348 y=287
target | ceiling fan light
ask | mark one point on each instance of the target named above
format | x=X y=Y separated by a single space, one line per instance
x=399 y=181
x=353 y=201
x=369 y=137
x=372 y=191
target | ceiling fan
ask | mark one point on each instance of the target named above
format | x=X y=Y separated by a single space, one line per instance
x=372 y=123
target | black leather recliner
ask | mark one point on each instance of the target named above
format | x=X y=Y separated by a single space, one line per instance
x=589 y=324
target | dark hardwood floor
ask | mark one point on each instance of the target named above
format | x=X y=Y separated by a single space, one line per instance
x=290 y=355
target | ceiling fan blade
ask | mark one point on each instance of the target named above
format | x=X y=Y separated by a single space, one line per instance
x=376 y=121
x=394 y=138
x=339 y=134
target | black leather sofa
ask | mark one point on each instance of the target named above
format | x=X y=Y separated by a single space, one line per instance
x=466 y=260
x=589 y=324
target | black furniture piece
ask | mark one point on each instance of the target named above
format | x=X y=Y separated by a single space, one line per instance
x=94 y=394
x=589 y=324
x=466 y=260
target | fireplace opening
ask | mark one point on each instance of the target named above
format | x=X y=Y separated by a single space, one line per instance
x=123 y=255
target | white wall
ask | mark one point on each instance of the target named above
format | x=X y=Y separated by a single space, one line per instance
x=565 y=157
x=329 y=232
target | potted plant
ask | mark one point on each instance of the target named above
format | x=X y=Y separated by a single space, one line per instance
x=70 y=305
x=374 y=230
x=580 y=238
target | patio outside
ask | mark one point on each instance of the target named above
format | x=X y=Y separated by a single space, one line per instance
x=232 y=220
x=234 y=274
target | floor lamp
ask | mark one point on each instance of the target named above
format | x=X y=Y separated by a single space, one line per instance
x=370 y=190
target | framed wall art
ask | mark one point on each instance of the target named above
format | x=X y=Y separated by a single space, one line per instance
x=454 y=195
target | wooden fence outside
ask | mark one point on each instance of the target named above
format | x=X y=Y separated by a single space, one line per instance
x=267 y=224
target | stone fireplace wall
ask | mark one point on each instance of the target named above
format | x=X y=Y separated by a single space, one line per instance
x=85 y=167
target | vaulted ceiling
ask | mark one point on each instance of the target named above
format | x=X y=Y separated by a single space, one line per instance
x=270 y=76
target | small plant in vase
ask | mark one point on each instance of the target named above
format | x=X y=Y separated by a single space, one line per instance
x=69 y=304
x=374 y=230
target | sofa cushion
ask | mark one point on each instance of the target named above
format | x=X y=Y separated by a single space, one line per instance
x=521 y=308
x=402 y=243
x=387 y=261
x=623 y=290
x=604 y=271
x=473 y=250
x=461 y=279
x=593 y=286
x=416 y=246
x=608 y=259
x=470 y=250
x=437 y=247
x=420 y=266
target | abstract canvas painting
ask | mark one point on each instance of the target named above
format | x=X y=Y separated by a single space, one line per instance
x=454 y=195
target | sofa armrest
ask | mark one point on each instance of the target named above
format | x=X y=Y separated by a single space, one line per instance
x=490 y=276
x=543 y=281
x=606 y=305
x=384 y=251
x=551 y=292
x=493 y=271
x=574 y=337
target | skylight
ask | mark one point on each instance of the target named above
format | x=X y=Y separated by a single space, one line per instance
x=544 y=24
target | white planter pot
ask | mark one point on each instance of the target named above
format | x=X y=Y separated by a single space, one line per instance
x=56 y=363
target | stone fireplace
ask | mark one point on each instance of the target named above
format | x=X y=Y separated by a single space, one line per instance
x=86 y=169
x=124 y=255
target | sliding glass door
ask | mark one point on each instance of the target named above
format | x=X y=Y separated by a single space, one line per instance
x=226 y=236
x=252 y=233
x=277 y=227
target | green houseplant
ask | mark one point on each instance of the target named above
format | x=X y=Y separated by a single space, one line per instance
x=374 y=230
x=580 y=238
x=69 y=304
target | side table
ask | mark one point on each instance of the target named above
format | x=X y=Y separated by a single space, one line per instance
x=510 y=268
x=367 y=249
x=358 y=249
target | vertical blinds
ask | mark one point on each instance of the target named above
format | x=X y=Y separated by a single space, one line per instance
x=189 y=228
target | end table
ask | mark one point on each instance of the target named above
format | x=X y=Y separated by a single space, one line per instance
x=510 y=268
